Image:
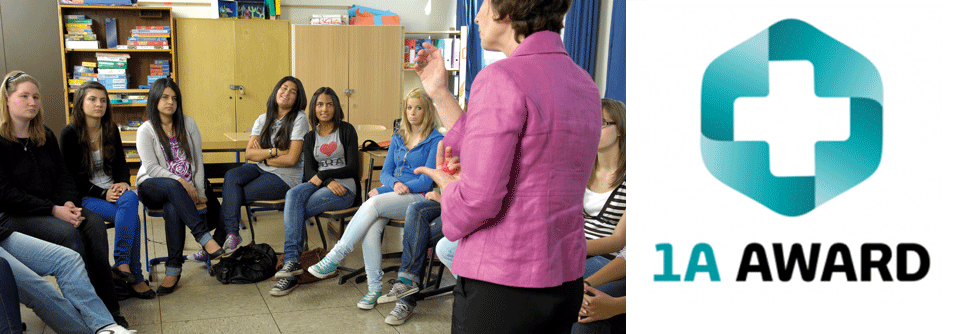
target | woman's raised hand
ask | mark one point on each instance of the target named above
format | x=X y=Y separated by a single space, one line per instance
x=429 y=66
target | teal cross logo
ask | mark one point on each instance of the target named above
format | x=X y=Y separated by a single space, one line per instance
x=768 y=134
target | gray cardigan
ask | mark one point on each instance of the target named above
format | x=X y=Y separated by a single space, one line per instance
x=154 y=164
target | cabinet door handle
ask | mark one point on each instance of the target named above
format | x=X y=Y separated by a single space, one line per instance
x=348 y=92
x=237 y=87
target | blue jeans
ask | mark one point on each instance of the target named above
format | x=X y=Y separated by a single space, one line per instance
x=445 y=250
x=304 y=201
x=246 y=184
x=89 y=240
x=422 y=229
x=78 y=310
x=616 y=288
x=368 y=224
x=126 y=221
x=179 y=211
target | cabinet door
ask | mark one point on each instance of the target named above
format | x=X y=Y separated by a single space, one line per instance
x=376 y=61
x=321 y=60
x=205 y=49
x=262 y=59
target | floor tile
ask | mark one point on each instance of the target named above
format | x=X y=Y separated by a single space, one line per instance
x=260 y=323
x=333 y=320
x=195 y=302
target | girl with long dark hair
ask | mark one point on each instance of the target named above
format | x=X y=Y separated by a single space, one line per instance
x=276 y=142
x=171 y=176
x=330 y=180
x=94 y=156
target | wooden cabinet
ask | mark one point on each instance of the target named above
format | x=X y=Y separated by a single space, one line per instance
x=361 y=63
x=138 y=66
x=217 y=57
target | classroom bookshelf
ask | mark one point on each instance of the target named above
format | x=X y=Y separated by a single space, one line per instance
x=127 y=18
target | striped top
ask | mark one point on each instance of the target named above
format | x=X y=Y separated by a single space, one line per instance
x=607 y=215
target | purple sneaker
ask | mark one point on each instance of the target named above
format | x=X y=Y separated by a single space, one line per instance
x=232 y=243
x=199 y=256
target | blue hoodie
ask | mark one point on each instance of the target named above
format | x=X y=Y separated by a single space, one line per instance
x=400 y=162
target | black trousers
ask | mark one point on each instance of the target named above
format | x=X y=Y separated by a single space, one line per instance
x=483 y=307
x=89 y=240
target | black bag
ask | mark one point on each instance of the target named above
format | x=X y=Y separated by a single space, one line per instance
x=249 y=264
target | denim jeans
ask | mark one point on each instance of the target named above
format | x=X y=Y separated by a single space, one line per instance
x=89 y=240
x=368 y=224
x=445 y=250
x=179 y=211
x=78 y=310
x=246 y=184
x=123 y=215
x=422 y=228
x=304 y=201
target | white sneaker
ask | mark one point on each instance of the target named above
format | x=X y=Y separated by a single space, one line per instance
x=399 y=315
x=369 y=301
x=115 y=329
x=399 y=290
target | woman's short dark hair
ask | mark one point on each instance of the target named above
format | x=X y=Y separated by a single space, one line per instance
x=531 y=16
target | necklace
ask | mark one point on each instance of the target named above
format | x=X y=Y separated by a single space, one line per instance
x=24 y=143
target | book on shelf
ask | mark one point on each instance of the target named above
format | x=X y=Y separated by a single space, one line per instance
x=141 y=43
x=456 y=53
x=92 y=64
x=79 y=37
x=112 y=55
x=144 y=47
x=82 y=44
x=111 y=71
x=111 y=76
x=110 y=29
x=79 y=21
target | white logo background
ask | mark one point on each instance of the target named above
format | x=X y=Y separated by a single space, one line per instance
x=912 y=197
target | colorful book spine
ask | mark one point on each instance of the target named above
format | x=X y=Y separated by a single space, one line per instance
x=147 y=42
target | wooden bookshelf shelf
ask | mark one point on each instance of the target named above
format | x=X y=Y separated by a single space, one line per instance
x=434 y=32
x=119 y=50
x=121 y=91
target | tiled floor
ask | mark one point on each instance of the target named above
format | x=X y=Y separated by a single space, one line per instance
x=202 y=305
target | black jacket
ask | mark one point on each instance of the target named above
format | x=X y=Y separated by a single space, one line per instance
x=32 y=181
x=73 y=157
x=351 y=151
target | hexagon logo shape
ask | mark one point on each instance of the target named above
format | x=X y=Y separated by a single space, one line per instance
x=838 y=71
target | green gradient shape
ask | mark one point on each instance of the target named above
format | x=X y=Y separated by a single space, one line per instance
x=839 y=71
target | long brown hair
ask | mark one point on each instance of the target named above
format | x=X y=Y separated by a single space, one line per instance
x=79 y=120
x=286 y=128
x=618 y=112
x=429 y=115
x=9 y=86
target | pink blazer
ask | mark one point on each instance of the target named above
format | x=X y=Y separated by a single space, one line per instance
x=527 y=146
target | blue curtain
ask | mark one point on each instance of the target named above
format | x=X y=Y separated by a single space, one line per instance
x=466 y=12
x=617 y=58
x=580 y=33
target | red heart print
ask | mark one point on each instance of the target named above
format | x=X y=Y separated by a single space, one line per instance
x=328 y=148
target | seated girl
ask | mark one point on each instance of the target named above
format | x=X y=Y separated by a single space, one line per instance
x=94 y=156
x=37 y=194
x=171 y=176
x=276 y=142
x=414 y=145
x=331 y=164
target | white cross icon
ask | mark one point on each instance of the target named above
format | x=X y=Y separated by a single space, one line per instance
x=791 y=119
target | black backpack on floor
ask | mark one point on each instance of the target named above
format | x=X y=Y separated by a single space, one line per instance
x=249 y=264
